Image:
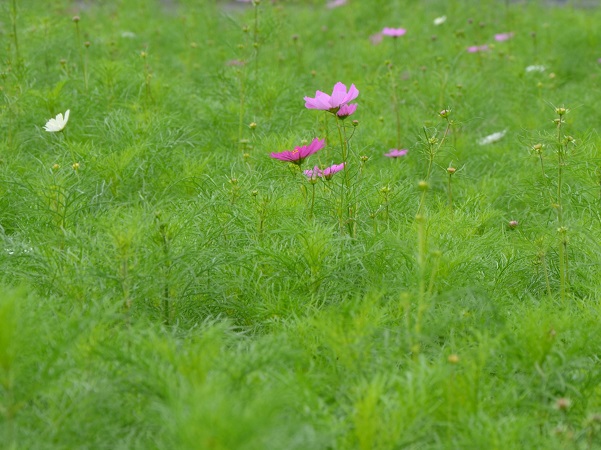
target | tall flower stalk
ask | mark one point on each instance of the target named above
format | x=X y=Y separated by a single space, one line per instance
x=256 y=44
x=425 y=287
x=562 y=147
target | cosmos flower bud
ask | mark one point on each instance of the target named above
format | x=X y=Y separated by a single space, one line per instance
x=75 y=166
x=445 y=113
x=453 y=358
x=76 y=19
x=451 y=170
x=561 y=111
x=422 y=185
x=252 y=125
x=513 y=224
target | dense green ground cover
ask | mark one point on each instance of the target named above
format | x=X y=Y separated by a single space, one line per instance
x=165 y=284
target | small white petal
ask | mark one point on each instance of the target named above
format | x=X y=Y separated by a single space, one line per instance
x=492 y=138
x=440 y=20
x=535 y=68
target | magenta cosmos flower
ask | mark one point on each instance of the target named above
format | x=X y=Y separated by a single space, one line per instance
x=299 y=154
x=326 y=173
x=393 y=32
x=332 y=103
x=396 y=153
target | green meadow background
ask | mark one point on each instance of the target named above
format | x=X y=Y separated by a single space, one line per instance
x=165 y=284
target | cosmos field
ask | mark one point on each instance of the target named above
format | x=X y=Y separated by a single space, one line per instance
x=300 y=224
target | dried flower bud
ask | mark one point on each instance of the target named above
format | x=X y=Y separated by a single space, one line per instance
x=87 y=44
x=563 y=404
x=76 y=19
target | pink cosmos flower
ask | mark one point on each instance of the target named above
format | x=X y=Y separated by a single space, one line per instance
x=394 y=32
x=326 y=173
x=346 y=110
x=503 y=37
x=336 y=3
x=334 y=102
x=299 y=154
x=396 y=153
x=477 y=48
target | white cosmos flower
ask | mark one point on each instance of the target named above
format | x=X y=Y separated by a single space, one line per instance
x=535 y=69
x=440 y=20
x=492 y=138
x=58 y=123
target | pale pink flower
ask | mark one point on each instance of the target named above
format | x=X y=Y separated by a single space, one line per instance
x=477 y=48
x=235 y=62
x=375 y=39
x=299 y=154
x=326 y=173
x=396 y=153
x=336 y=3
x=503 y=37
x=334 y=102
x=393 y=32
x=346 y=110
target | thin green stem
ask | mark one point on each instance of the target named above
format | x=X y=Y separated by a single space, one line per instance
x=395 y=104
x=15 y=37
x=562 y=229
